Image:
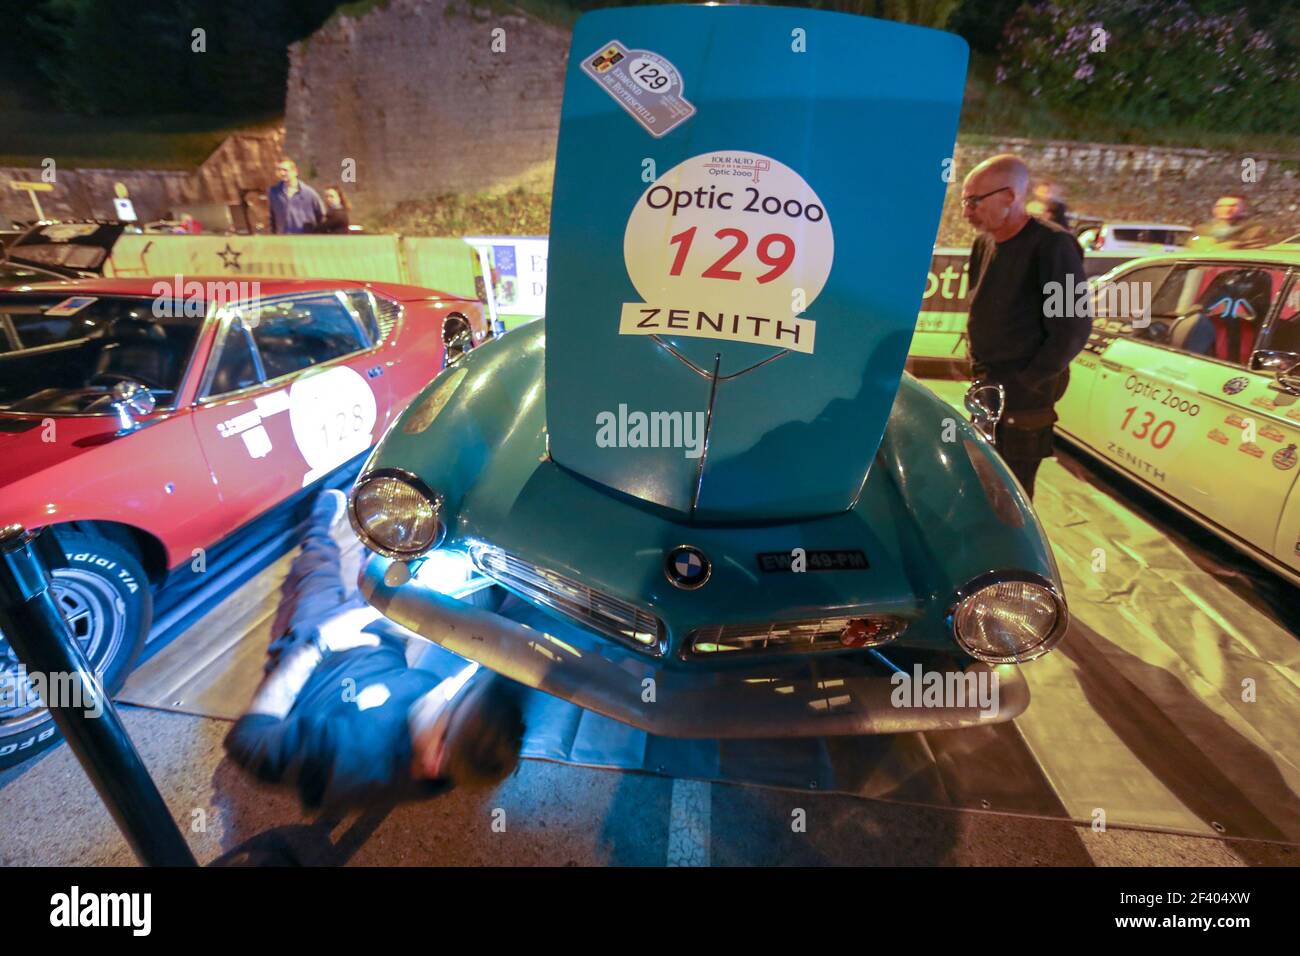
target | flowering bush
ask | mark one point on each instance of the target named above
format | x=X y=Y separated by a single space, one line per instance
x=1154 y=64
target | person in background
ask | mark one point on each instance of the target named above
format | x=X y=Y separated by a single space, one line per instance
x=344 y=719
x=337 y=211
x=294 y=206
x=1017 y=265
x=1229 y=227
x=1045 y=205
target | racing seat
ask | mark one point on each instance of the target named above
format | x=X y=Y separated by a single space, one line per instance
x=1226 y=317
x=1189 y=334
x=139 y=351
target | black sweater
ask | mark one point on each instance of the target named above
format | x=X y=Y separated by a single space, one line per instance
x=1012 y=338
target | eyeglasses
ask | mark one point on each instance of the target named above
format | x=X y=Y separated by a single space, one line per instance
x=970 y=202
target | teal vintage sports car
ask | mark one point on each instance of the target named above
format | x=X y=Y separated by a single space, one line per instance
x=725 y=510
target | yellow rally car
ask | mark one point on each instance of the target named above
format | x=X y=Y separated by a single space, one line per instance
x=1190 y=383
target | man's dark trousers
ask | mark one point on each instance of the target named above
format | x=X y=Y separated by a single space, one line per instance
x=314 y=589
x=1024 y=435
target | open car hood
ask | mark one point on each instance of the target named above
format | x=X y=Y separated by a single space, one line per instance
x=68 y=249
x=745 y=203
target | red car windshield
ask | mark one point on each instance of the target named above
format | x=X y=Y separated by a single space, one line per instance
x=62 y=354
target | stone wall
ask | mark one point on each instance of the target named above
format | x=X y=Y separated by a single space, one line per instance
x=1153 y=183
x=89 y=193
x=243 y=163
x=413 y=92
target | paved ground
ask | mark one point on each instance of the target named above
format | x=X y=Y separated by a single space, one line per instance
x=556 y=815
x=1151 y=726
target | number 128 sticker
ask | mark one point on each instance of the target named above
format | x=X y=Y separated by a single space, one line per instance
x=728 y=245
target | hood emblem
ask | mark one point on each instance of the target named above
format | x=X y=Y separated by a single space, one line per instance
x=687 y=567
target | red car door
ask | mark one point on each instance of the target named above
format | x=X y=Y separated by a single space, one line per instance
x=289 y=395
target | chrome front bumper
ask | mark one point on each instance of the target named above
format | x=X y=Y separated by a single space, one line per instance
x=804 y=698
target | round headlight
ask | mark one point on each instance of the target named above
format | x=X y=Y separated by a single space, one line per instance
x=395 y=514
x=1009 y=621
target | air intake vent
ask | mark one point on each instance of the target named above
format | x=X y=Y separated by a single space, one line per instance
x=387 y=314
x=603 y=613
x=792 y=637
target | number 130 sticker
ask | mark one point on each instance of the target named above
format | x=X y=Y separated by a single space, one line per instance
x=731 y=246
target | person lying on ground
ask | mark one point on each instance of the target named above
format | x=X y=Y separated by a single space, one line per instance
x=344 y=719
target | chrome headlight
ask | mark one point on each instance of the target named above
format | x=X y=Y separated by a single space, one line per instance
x=1004 y=621
x=394 y=513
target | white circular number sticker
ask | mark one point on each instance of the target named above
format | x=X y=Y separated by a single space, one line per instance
x=650 y=74
x=730 y=231
x=333 y=416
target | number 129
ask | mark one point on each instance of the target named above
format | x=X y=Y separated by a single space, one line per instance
x=778 y=263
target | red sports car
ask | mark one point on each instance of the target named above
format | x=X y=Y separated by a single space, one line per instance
x=143 y=420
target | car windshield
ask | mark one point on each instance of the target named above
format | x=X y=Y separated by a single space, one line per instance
x=1161 y=237
x=62 y=354
x=15 y=273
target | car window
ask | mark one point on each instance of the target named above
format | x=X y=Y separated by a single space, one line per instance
x=236 y=366
x=294 y=334
x=1162 y=237
x=37 y=330
x=364 y=305
x=1214 y=309
x=1122 y=305
x=1284 y=335
x=63 y=353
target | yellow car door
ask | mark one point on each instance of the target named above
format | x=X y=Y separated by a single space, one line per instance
x=1094 y=408
x=1191 y=417
x=1281 y=354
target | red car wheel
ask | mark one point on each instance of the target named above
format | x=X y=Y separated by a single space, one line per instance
x=105 y=596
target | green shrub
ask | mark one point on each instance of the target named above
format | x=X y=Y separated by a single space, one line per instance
x=1155 y=64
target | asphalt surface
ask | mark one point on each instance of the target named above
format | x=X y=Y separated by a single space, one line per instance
x=561 y=814
x=553 y=815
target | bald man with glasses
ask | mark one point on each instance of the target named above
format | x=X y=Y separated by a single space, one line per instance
x=1021 y=270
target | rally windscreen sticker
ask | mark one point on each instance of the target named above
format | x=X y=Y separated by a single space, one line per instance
x=643 y=83
x=731 y=246
x=70 y=306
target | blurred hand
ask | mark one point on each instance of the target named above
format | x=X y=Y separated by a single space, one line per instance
x=343 y=633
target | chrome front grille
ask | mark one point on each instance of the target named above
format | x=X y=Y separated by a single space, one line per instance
x=789 y=637
x=601 y=612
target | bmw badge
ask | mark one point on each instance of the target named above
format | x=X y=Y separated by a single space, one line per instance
x=687 y=567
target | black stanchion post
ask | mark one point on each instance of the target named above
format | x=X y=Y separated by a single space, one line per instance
x=35 y=629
